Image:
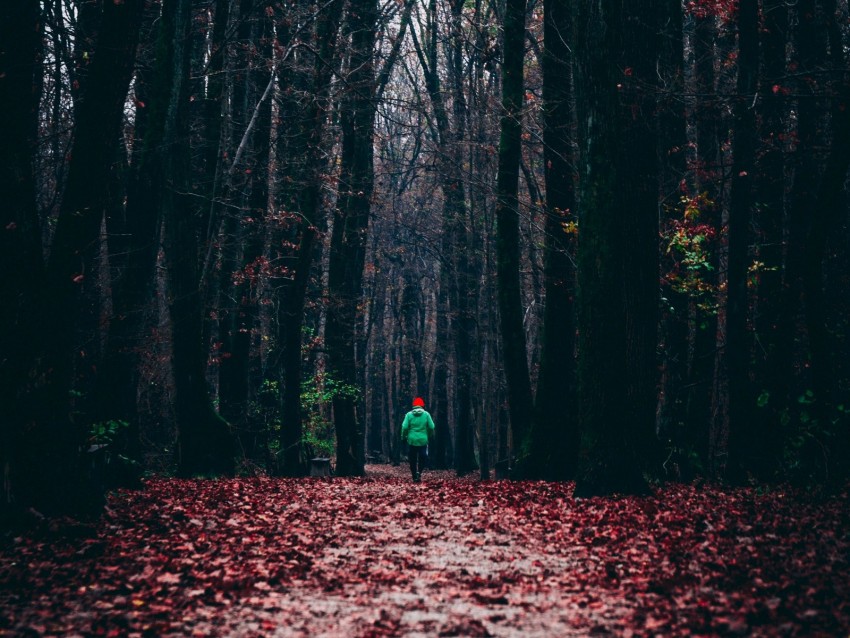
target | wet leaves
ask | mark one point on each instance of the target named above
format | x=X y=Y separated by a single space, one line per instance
x=381 y=556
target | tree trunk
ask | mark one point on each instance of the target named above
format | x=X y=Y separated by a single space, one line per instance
x=133 y=238
x=348 y=241
x=20 y=245
x=411 y=307
x=204 y=440
x=821 y=327
x=76 y=245
x=442 y=448
x=464 y=326
x=213 y=150
x=97 y=129
x=240 y=313
x=377 y=373
x=732 y=420
x=555 y=438
x=507 y=226
x=618 y=249
x=772 y=362
x=792 y=355
x=702 y=320
x=672 y=126
x=673 y=144
x=305 y=165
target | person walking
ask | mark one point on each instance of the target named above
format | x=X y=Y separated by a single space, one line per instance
x=417 y=430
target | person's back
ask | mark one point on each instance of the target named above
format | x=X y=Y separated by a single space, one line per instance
x=417 y=430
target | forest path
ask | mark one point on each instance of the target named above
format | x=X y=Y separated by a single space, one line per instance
x=382 y=556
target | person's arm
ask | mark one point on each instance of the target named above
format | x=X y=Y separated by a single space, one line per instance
x=431 y=429
x=404 y=426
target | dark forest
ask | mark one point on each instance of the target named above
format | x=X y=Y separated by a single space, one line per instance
x=603 y=244
x=606 y=243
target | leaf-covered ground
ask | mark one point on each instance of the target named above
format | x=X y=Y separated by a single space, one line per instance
x=382 y=556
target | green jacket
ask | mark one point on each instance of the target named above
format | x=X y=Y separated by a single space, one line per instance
x=418 y=427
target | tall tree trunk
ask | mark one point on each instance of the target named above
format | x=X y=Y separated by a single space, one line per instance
x=673 y=144
x=99 y=115
x=411 y=302
x=458 y=217
x=402 y=397
x=213 y=149
x=133 y=238
x=76 y=245
x=226 y=182
x=306 y=182
x=618 y=249
x=555 y=438
x=464 y=326
x=507 y=225
x=772 y=363
x=732 y=425
x=204 y=440
x=702 y=319
x=441 y=452
x=21 y=29
x=831 y=197
x=810 y=57
x=239 y=313
x=348 y=240
x=377 y=371
x=672 y=126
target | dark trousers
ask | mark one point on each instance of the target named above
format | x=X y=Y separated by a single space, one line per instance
x=416 y=455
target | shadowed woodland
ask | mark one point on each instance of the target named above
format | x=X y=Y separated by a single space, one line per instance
x=606 y=242
x=603 y=243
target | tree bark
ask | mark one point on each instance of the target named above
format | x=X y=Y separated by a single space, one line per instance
x=708 y=175
x=555 y=437
x=239 y=312
x=772 y=361
x=673 y=145
x=133 y=240
x=618 y=249
x=732 y=424
x=21 y=29
x=96 y=143
x=507 y=226
x=350 y=231
x=823 y=342
x=76 y=245
x=305 y=184
x=205 y=444
x=442 y=451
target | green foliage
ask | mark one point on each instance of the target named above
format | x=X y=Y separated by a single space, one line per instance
x=265 y=411
x=108 y=465
x=809 y=438
x=322 y=389
x=317 y=395
x=106 y=432
x=690 y=253
x=755 y=270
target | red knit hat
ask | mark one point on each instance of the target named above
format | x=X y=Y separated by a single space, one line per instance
x=418 y=402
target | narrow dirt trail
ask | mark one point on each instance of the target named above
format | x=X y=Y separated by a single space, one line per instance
x=381 y=556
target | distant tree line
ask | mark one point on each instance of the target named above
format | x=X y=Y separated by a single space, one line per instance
x=604 y=241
